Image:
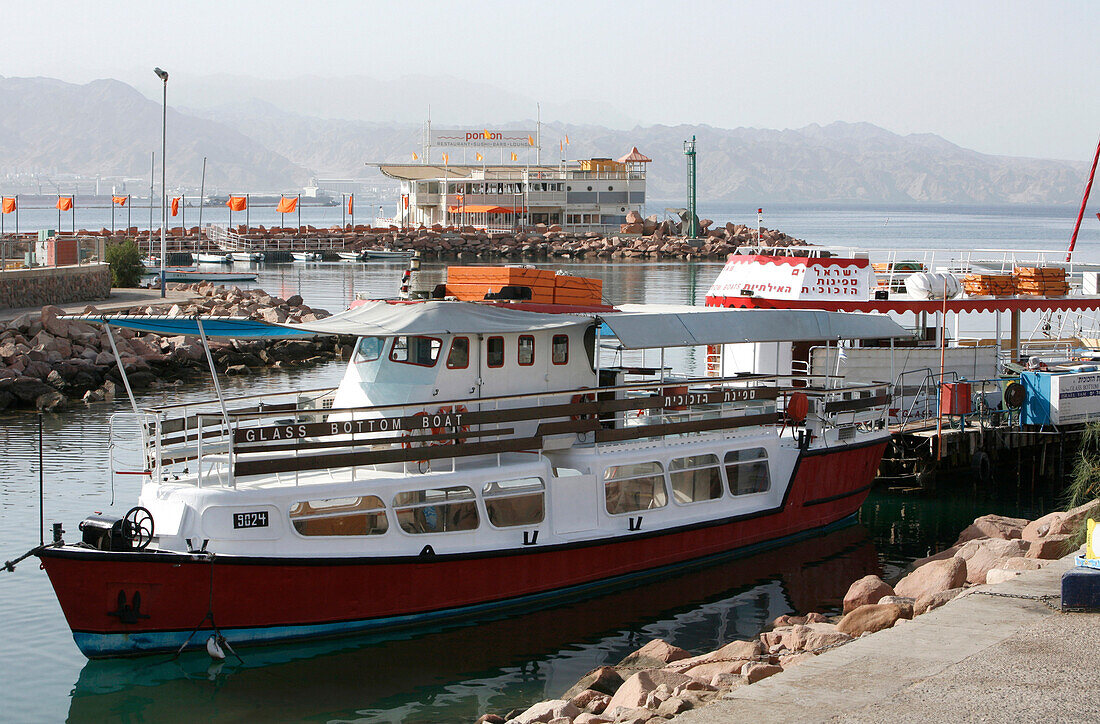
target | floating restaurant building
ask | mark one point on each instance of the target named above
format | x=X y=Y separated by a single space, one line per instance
x=587 y=195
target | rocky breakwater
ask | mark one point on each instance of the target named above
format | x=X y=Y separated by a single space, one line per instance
x=647 y=238
x=659 y=680
x=46 y=361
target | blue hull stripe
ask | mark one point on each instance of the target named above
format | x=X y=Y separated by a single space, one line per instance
x=98 y=645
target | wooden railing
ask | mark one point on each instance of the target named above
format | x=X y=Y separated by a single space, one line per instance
x=293 y=437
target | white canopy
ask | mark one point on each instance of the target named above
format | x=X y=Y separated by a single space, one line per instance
x=647 y=326
x=387 y=319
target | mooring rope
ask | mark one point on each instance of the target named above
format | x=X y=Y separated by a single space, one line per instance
x=219 y=637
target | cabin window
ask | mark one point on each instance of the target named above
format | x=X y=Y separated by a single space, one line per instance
x=363 y=515
x=695 y=478
x=514 y=502
x=638 y=486
x=494 y=352
x=559 y=349
x=423 y=351
x=747 y=471
x=526 y=350
x=459 y=356
x=370 y=348
x=441 y=510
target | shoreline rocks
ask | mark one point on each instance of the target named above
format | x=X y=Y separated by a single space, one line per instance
x=661 y=680
x=46 y=361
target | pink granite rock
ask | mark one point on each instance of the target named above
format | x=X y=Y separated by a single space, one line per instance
x=982 y=555
x=933 y=577
x=869 y=618
x=868 y=589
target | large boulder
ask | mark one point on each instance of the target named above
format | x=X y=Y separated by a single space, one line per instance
x=868 y=589
x=935 y=600
x=906 y=604
x=933 y=577
x=51 y=323
x=1041 y=527
x=546 y=711
x=1074 y=520
x=1051 y=547
x=654 y=655
x=755 y=671
x=636 y=689
x=987 y=553
x=803 y=637
x=604 y=679
x=993 y=526
x=869 y=618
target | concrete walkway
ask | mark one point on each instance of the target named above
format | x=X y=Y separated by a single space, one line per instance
x=978 y=658
x=120 y=300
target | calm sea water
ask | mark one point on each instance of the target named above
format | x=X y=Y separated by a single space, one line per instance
x=459 y=672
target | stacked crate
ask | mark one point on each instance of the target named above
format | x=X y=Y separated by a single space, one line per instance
x=1041 y=281
x=577 y=290
x=472 y=283
x=989 y=285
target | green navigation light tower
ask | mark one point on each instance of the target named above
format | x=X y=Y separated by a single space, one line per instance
x=692 y=218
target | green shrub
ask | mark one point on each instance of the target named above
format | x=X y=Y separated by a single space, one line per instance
x=125 y=261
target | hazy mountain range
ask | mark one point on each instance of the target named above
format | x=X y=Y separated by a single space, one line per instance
x=256 y=140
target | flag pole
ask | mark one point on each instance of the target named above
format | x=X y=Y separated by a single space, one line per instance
x=202 y=195
x=152 y=173
x=72 y=207
x=247 y=212
x=343 y=212
x=129 y=205
x=112 y=214
x=59 y=214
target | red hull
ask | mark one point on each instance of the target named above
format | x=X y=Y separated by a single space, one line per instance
x=320 y=595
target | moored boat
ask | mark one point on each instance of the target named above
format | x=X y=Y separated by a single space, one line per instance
x=350 y=255
x=476 y=455
x=245 y=256
x=203 y=257
x=306 y=255
x=388 y=253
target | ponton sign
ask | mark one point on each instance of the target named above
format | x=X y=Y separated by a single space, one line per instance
x=482 y=138
x=782 y=277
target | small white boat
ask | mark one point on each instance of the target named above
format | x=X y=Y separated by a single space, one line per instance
x=209 y=258
x=306 y=255
x=246 y=256
x=150 y=263
x=350 y=255
x=387 y=254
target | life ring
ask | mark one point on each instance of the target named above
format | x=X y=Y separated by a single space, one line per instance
x=579 y=399
x=798 y=405
x=447 y=410
x=410 y=440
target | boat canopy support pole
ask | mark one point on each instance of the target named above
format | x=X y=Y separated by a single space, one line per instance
x=121 y=368
x=213 y=374
x=1014 y=334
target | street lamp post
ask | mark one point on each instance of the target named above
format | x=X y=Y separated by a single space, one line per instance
x=163 y=75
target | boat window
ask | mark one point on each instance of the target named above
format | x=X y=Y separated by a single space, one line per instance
x=459 y=356
x=439 y=510
x=526 y=350
x=559 y=349
x=494 y=352
x=638 y=486
x=695 y=478
x=747 y=471
x=364 y=515
x=423 y=351
x=514 y=502
x=370 y=348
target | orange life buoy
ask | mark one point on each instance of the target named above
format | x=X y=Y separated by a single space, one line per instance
x=447 y=410
x=798 y=405
x=410 y=436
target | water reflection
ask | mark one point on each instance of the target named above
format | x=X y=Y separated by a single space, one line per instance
x=459 y=672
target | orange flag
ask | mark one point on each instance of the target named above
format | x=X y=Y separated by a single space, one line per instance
x=237 y=203
x=351 y=199
x=405 y=200
x=9 y=204
x=446 y=159
x=64 y=203
x=515 y=157
x=480 y=157
x=176 y=206
x=531 y=140
x=119 y=200
x=287 y=205
x=415 y=157
x=567 y=139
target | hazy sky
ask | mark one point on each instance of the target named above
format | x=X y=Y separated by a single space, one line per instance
x=1015 y=78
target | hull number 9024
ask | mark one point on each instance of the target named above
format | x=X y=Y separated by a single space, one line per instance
x=250 y=520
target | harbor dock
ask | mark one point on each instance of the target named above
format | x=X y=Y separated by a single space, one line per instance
x=996 y=653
